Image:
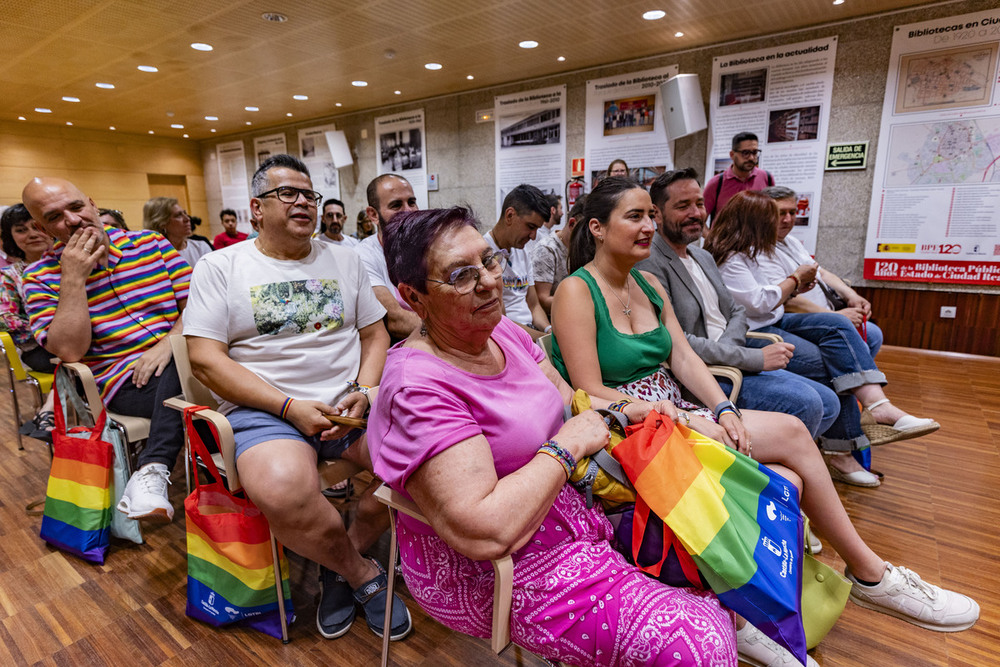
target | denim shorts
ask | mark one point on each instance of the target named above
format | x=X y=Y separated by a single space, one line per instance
x=252 y=427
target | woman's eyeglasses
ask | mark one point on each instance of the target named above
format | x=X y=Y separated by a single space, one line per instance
x=466 y=278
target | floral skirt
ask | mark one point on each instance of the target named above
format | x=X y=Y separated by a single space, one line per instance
x=661 y=386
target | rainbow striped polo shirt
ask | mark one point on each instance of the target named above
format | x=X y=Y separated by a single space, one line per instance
x=133 y=302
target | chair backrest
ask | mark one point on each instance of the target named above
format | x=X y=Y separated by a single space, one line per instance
x=194 y=391
x=546 y=344
x=13 y=359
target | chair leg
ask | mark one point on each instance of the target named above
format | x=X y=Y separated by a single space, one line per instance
x=276 y=558
x=390 y=589
x=17 y=407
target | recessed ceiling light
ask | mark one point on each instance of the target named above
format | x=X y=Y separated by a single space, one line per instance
x=177 y=126
x=211 y=118
x=678 y=34
x=21 y=118
x=147 y=68
x=289 y=114
x=300 y=97
x=251 y=108
x=469 y=77
x=838 y=2
x=212 y=130
x=43 y=110
x=338 y=104
x=170 y=114
x=249 y=123
x=112 y=127
x=654 y=15
x=397 y=92
x=433 y=66
x=187 y=136
x=199 y=46
x=151 y=132
x=274 y=17
x=561 y=59
x=359 y=84
x=105 y=86
x=67 y=98
x=528 y=44
x=69 y=122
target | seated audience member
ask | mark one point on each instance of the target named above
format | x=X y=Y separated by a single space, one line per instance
x=388 y=195
x=114 y=218
x=364 y=226
x=613 y=326
x=618 y=169
x=110 y=299
x=826 y=344
x=332 y=224
x=24 y=243
x=285 y=330
x=469 y=424
x=525 y=209
x=743 y=174
x=791 y=254
x=716 y=326
x=549 y=258
x=228 y=236
x=165 y=215
x=195 y=223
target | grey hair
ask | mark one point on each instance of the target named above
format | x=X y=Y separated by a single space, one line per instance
x=777 y=192
x=259 y=184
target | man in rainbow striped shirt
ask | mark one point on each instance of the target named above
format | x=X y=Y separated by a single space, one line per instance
x=110 y=299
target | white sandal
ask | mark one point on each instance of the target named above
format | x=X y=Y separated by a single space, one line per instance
x=906 y=427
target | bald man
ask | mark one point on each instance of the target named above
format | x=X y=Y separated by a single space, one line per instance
x=110 y=299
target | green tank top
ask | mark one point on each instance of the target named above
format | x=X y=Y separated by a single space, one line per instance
x=623 y=357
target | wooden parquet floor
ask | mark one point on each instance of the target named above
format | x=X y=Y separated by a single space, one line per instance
x=937 y=512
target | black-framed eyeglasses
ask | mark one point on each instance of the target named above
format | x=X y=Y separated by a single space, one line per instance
x=466 y=278
x=289 y=195
x=749 y=154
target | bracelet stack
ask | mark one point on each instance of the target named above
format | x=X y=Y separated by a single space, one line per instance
x=620 y=405
x=552 y=448
x=284 y=407
x=798 y=285
x=353 y=386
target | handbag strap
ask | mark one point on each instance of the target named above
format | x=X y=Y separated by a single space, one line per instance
x=197 y=446
x=60 y=415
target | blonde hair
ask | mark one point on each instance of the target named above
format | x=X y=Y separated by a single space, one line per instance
x=156 y=213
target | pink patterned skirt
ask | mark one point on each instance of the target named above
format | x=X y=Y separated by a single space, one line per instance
x=575 y=598
x=660 y=385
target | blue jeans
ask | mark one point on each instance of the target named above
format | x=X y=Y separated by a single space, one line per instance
x=829 y=349
x=780 y=391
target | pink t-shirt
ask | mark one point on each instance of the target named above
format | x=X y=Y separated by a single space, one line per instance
x=425 y=405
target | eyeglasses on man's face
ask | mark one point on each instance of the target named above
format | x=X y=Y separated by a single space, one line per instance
x=466 y=278
x=289 y=195
x=749 y=154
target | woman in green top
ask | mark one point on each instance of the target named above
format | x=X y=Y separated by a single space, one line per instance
x=613 y=326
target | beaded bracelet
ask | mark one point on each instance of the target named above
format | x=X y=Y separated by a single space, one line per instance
x=620 y=405
x=552 y=448
x=353 y=386
x=284 y=407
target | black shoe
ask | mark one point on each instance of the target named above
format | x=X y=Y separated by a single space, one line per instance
x=371 y=597
x=335 y=612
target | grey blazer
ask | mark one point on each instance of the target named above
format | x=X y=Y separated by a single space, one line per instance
x=730 y=349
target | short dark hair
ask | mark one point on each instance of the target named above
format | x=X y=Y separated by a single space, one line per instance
x=576 y=212
x=779 y=192
x=259 y=183
x=743 y=136
x=195 y=221
x=601 y=202
x=119 y=218
x=333 y=200
x=747 y=224
x=658 y=190
x=228 y=211
x=527 y=199
x=371 y=192
x=15 y=215
x=408 y=236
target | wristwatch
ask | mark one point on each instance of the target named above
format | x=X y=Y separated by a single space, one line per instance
x=727 y=405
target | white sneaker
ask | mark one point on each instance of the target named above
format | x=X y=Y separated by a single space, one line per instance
x=903 y=594
x=757 y=649
x=145 y=495
x=813 y=545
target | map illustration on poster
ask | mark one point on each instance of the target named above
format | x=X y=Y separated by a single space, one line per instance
x=935 y=210
x=782 y=94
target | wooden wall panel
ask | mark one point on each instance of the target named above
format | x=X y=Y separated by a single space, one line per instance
x=912 y=318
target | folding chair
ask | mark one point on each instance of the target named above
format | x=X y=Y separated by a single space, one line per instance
x=196 y=393
x=40 y=382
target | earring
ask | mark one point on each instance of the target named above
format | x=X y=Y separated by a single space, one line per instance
x=423 y=329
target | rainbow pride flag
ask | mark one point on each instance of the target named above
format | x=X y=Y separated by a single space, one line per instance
x=739 y=521
x=77 y=516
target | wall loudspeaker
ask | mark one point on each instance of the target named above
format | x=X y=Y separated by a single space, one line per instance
x=683 y=108
x=340 y=151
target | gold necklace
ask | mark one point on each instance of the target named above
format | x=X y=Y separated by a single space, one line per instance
x=628 y=291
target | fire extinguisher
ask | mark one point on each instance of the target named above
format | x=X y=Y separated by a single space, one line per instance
x=574 y=190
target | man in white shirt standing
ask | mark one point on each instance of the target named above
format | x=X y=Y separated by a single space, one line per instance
x=332 y=226
x=525 y=209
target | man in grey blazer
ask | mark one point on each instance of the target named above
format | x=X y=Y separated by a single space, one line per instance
x=714 y=324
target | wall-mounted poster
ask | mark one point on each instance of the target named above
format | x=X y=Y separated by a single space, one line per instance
x=402 y=149
x=625 y=122
x=233 y=183
x=935 y=209
x=530 y=141
x=315 y=152
x=782 y=94
x=265 y=147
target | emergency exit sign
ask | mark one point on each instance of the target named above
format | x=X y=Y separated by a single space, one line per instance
x=847 y=156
